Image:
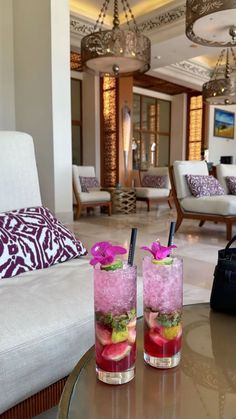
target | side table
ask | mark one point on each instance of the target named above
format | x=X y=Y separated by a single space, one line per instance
x=123 y=200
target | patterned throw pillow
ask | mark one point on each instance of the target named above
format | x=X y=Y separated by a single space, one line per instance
x=89 y=183
x=32 y=238
x=203 y=185
x=231 y=183
x=154 y=181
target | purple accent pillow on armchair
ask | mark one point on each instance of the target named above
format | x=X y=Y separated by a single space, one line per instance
x=231 y=183
x=89 y=183
x=203 y=185
x=154 y=181
x=32 y=238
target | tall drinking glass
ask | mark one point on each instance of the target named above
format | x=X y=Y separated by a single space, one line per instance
x=115 y=324
x=163 y=300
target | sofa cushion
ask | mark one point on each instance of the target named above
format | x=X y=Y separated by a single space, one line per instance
x=32 y=238
x=154 y=181
x=221 y=205
x=89 y=183
x=47 y=323
x=142 y=192
x=95 y=196
x=231 y=183
x=201 y=185
x=184 y=167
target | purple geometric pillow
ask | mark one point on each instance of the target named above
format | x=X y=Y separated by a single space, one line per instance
x=88 y=183
x=154 y=181
x=32 y=238
x=231 y=183
x=202 y=185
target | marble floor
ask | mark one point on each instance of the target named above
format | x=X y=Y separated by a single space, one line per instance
x=197 y=246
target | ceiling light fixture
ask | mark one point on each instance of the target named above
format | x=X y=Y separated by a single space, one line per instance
x=116 y=51
x=221 y=89
x=207 y=21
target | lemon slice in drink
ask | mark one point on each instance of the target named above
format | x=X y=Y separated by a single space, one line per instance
x=113 y=266
x=165 y=261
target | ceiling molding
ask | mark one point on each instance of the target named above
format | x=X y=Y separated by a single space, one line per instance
x=196 y=70
x=162 y=19
x=81 y=26
x=185 y=72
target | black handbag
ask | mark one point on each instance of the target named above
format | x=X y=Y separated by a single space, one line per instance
x=223 y=293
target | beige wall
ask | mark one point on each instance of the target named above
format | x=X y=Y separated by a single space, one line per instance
x=220 y=146
x=91 y=121
x=42 y=94
x=178 y=128
x=7 y=99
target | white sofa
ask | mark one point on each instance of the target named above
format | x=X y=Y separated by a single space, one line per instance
x=46 y=316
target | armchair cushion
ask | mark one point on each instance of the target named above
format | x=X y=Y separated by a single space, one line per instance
x=157 y=171
x=202 y=185
x=32 y=238
x=89 y=183
x=224 y=170
x=95 y=196
x=231 y=183
x=154 y=181
x=142 y=192
x=84 y=171
x=220 y=205
x=182 y=168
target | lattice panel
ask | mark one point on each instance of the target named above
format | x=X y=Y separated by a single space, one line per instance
x=123 y=201
x=110 y=131
x=75 y=61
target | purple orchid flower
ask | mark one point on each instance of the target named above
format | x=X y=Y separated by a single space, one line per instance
x=104 y=253
x=159 y=252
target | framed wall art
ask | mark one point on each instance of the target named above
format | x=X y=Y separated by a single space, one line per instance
x=224 y=124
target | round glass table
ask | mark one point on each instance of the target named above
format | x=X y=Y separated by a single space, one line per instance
x=203 y=386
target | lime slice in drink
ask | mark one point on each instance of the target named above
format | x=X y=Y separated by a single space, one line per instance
x=165 y=261
x=171 y=332
x=113 y=266
x=119 y=336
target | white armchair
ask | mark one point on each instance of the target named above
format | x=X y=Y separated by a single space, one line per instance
x=219 y=208
x=224 y=170
x=91 y=199
x=154 y=194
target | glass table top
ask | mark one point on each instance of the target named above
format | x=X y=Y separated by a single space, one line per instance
x=202 y=386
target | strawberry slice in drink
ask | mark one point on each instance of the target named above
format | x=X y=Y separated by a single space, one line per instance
x=157 y=338
x=150 y=318
x=116 y=351
x=103 y=335
x=131 y=335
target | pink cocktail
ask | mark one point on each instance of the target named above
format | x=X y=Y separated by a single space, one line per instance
x=163 y=300
x=115 y=324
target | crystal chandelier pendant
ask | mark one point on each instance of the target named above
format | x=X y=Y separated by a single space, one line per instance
x=117 y=51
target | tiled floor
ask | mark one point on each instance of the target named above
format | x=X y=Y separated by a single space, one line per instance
x=197 y=246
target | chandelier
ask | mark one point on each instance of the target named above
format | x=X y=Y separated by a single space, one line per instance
x=207 y=21
x=221 y=89
x=116 y=51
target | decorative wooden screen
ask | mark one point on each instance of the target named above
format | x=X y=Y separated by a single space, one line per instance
x=109 y=131
x=195 y=127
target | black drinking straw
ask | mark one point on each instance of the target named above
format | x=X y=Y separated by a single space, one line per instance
x=132 y=246
x=171 y=233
